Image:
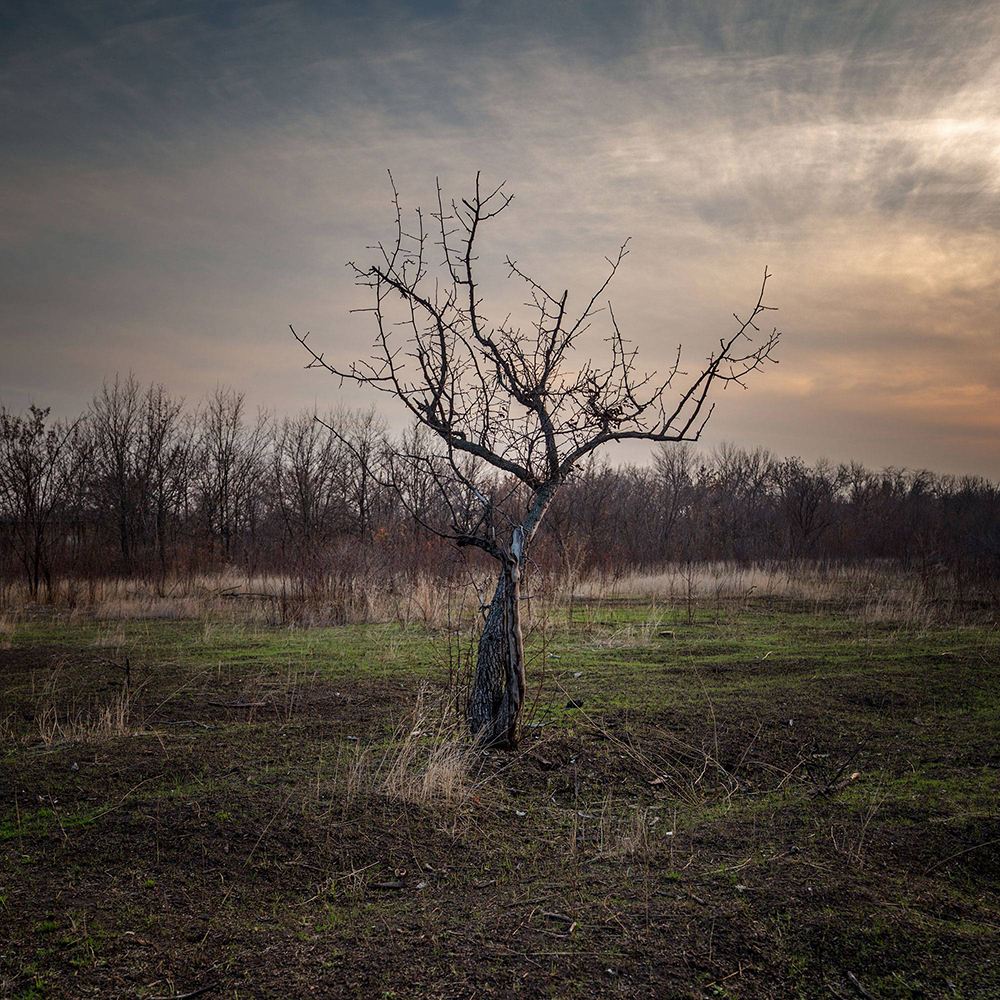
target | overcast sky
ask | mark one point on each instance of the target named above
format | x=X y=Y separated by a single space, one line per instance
x=180 y=181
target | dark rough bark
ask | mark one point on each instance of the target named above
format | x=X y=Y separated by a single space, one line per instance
x=497 y=696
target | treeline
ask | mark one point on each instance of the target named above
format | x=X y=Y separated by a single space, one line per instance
x=141 y=486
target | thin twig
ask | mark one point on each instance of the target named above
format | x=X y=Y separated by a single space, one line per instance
x=861 y=990
x=951 y=857
x=193 y=993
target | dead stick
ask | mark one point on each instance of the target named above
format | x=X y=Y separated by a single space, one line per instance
x=951 y=857
x=183 y=722
x=861 y=990
x=738 y=972
x=843 y=767
x=104 y=812
x=188 y=996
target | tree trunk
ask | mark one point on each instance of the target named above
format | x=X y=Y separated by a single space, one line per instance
x=497 y=696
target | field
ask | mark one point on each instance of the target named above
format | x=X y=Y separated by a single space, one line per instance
x=715 y=796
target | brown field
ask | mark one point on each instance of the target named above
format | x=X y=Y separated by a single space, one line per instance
x=732 y=783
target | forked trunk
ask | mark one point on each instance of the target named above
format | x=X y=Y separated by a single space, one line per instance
x=497 y=696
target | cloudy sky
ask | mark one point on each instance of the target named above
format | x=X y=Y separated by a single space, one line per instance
x=181 y=180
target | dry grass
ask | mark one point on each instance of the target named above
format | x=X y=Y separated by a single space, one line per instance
x=111 y=638
x=66 y=708
x=425 y=762
x=8 y=629
x=704 y=581
x=93 y=722
x=875 y=591
x=627 y=834
x=264 y=599
x=632 y=635
x=894 y=601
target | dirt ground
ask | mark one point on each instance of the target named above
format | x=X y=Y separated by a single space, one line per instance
x=766 y=803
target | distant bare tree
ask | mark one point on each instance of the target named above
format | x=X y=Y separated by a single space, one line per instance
x=40 y=476
x=673 y=465
x=363 y=432
x=808 y=499
x=515 y=400
x=118 y=476
x=308 y=461
x=139 y=463
x=168 y=444
x=231 y=461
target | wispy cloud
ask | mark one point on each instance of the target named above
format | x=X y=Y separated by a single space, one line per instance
x=183 y=179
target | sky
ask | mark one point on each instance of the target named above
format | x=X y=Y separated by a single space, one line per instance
x=180 y=181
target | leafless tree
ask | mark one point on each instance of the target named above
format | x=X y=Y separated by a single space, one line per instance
x=363 y=433
x=141 y=448
x=40 y=474
x=231 y=461
x=808 y=499
x=119 y=482
x=308 y=460
x=674 y=468
x=517 y=400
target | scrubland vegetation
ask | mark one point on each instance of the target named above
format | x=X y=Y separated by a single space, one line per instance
x=142 y=497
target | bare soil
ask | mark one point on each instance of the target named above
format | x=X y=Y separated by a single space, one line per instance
x=709 y=821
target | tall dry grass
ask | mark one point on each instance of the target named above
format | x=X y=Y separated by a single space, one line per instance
x=427 y=761
x=264 y=599
x=874 y=591
x=676 y=581
x=90 y=722
x=9 y=624
x=624 y=834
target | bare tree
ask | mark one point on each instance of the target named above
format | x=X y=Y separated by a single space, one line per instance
x=141 y=449
x=808 y=499
x=40 y=473
x=516 y=400
x=120 y=481
x=674 y=467
x=363 y=433
x=307 y=462
x=231 y=461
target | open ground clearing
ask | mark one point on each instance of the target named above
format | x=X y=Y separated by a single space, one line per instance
x=756 y=798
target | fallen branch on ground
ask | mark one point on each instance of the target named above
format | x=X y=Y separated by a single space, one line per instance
x=188 y=996
x=951 y=857
x=861 y=990
x=183 y=722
